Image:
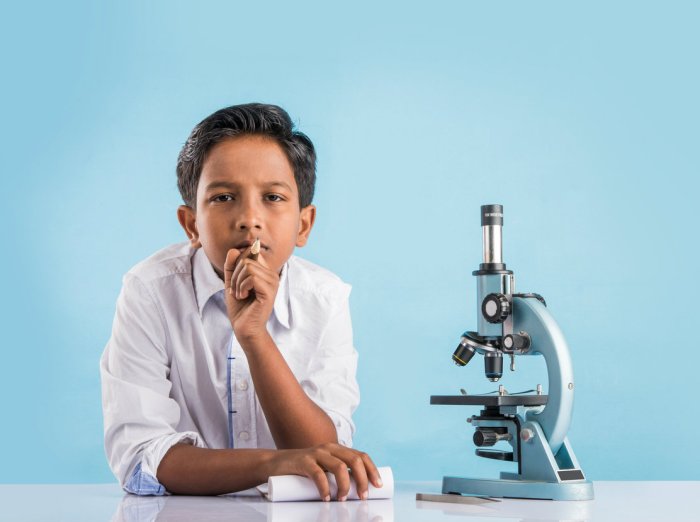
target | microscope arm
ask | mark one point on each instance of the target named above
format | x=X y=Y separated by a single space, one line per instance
x=533 y=317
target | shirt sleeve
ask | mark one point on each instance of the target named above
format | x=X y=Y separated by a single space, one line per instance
x=331 y=382
x=140 y=418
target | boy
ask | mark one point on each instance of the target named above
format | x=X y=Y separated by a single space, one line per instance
x=218 y=355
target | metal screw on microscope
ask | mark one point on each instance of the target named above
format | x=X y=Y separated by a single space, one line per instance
x=527 y=434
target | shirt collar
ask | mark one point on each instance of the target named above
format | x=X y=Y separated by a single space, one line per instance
x=207 y=284
x=282 y=301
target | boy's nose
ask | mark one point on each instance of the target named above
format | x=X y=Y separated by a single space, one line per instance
x=249 y=218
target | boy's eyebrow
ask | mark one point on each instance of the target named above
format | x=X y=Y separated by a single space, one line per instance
x=282 y=184
x=220 y=184
x=231 y=185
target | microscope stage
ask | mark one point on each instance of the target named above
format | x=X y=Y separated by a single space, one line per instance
x=489 y=400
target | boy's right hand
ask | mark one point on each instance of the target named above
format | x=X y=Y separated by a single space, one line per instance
x=331 y=457
x=250 y=288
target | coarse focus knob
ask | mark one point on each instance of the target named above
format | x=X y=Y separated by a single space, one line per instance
x=485 y=438
x=495 y=308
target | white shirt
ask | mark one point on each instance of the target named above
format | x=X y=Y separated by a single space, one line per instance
x=174 y=372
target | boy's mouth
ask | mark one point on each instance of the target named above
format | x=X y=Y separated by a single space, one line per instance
x=247 y=243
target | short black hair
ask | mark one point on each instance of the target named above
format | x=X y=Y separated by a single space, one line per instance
x=248 y=119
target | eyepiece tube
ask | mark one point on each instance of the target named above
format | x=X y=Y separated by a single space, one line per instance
x=492 y=226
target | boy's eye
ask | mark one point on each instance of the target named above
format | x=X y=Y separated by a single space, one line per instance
x=274 y=197
x=222 y=198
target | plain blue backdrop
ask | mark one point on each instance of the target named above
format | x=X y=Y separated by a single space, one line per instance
x=581 y=118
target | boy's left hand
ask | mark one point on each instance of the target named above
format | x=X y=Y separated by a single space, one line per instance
x=250 y=288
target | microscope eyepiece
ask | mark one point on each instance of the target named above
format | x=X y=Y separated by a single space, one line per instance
x=492 y=228
x=491 y=215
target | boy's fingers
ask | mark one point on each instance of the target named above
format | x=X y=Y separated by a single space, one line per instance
x=244 y=287
x=363 y=469
x=229 y=265
x=239 y=262
x=246 y=281
x=370 y=469
x=359 y=475
x=340 y=470
x=372 y=472
x=319 y=477
x=244 y=261
x=252 y=276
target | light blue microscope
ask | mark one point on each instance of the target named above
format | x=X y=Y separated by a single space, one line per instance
x=535 y=425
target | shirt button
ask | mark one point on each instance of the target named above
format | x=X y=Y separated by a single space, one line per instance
x=244 y=435
x=243 y=385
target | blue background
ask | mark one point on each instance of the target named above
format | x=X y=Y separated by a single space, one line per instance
x=580 y=118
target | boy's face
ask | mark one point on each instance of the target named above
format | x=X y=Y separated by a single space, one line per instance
x=246 y=191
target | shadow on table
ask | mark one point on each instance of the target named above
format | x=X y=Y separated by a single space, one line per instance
x=133 y=508
x=517 y=509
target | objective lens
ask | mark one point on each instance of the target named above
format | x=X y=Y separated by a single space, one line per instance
x=493 y=366
x=463 y=354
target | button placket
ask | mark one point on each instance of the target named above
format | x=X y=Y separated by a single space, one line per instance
x=241 y=387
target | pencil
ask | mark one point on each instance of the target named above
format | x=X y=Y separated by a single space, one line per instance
x=255 y=250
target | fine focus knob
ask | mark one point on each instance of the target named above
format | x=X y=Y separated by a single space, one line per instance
x=516 y=342
x=495 y=308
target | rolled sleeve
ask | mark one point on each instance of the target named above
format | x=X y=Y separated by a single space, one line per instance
x=331 y=382
x=140 y=418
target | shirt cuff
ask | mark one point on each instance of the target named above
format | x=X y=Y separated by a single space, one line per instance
x=343 y=428
x=143 y=479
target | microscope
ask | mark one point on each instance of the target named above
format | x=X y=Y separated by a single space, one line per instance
x=533 y=425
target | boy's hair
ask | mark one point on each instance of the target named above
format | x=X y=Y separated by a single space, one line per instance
x=252 y=118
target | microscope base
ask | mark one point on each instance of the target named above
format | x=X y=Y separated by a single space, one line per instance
x=582 y=490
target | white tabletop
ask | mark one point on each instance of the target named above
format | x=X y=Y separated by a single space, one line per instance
x=94 y=502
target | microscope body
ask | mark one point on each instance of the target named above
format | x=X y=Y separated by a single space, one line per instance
x=534 y=426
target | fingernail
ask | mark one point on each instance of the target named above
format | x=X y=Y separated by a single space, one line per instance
x=363 y=496
x=380 y=483
x=327 y=498
x=343 y=499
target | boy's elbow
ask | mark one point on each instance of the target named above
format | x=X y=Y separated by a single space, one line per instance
x=329 y=433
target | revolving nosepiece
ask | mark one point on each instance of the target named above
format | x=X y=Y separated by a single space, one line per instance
x=491 y=228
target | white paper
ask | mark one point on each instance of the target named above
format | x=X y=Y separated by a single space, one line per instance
x=286 y=488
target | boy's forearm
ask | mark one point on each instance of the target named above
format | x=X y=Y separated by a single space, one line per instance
x=295 y=421
x=189 y=470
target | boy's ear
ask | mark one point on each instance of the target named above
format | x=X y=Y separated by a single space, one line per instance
x=306 y=223
x=188 y=220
